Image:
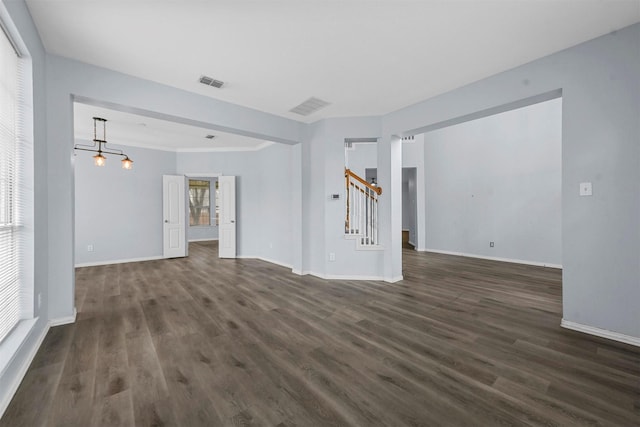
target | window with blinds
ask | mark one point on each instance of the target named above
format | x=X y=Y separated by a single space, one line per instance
x=15 y=186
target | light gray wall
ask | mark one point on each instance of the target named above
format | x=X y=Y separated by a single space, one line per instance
x=363 y=156
x=313 y=199
x=497 y=179
x=206 y=232
x=600 y=133
x=119 y=211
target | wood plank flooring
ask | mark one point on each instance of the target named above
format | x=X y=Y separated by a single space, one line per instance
x=206 y=342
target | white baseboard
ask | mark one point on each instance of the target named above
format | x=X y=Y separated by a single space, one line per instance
x=337 y=276
x=615 y=336
x=312 y=273
x=118 y=261
x=394 y=279
x=361 y=247
x=491 y=258
x=351 y=277
x=64 y=320
x=203 y=240
x=272 y=261
x=5 y=400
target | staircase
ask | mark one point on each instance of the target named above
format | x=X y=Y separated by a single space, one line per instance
x=361 y=222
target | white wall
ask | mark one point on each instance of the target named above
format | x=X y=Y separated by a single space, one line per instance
x=497 y=179
x=119 y=211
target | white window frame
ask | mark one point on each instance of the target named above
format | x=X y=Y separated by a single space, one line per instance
x=23 y=222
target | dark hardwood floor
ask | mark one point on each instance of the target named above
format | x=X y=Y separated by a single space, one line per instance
x=203 y=342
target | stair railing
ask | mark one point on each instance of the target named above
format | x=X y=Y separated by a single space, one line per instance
x=362 y=209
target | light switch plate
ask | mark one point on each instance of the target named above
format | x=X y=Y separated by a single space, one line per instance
x=585 y=189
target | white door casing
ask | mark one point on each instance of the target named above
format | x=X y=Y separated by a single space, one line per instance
x=174 y=213
x=227 y=226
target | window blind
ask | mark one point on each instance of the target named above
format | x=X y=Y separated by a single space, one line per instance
x=12 y=206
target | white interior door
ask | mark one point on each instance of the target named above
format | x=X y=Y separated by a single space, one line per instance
x=227 y=226
x=174 y=210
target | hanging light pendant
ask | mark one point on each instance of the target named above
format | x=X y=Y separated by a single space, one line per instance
x=99 y=159
x=127 y=163
x=97 y=147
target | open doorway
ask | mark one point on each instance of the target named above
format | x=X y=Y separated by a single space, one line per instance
x=118 y=212
x=493 y=186
x=409 y=203
x=409 y=208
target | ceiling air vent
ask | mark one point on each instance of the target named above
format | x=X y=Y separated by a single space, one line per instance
x=211 y=82
x=360 y=140
x=210 y=136
x=309 y=106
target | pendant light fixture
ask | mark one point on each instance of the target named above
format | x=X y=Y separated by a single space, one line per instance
x=100 y=146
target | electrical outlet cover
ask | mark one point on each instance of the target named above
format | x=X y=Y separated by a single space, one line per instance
x=586 y=189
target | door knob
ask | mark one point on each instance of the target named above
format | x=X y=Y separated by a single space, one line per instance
x=166 y=220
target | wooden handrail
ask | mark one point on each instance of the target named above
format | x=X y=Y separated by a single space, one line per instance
x=349 y=173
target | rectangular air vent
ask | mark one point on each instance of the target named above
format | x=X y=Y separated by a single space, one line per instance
x=361 y=140
x=209 y=81
x=309 y=106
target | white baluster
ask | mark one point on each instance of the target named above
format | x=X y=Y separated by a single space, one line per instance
x=369 y=218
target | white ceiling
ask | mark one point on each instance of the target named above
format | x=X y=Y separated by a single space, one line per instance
x=141 y=131
x=365 y=57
